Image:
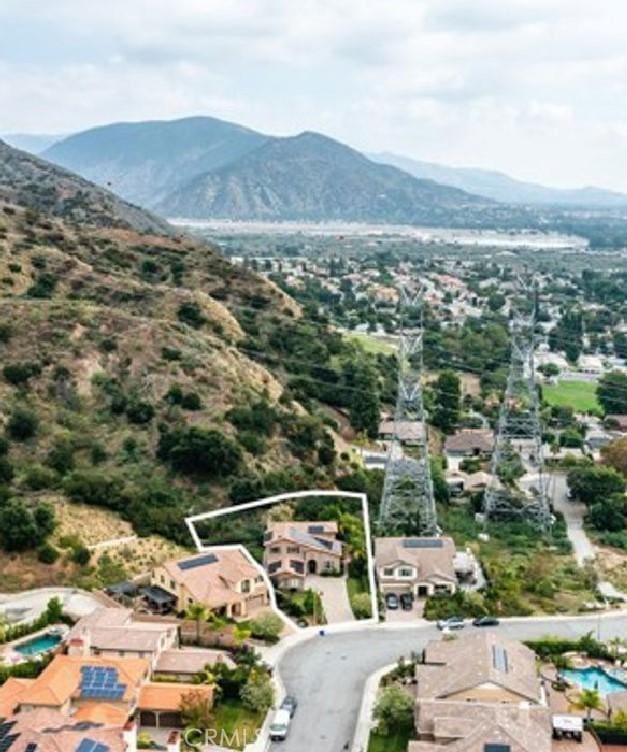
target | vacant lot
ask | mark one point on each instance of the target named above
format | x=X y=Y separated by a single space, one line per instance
x=580 y=395
x=372 y=344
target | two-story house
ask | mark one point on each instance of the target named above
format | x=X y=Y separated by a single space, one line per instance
x=293 y=550
x=226 y=580
x=419 y=566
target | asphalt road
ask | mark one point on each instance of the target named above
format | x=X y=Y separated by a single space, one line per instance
x=327 y=674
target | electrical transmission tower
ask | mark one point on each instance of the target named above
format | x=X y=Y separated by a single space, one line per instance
x=408 y=503
x=518 y=489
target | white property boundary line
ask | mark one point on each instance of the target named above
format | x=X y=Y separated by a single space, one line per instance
x=269 y=501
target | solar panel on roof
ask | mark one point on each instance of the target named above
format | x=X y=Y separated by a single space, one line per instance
x=31 y=747
x=89 y=745
x=499 y=659
x=496 y=747
x=5 y=728
x=315 y=529
x=422 y=543
x=200 y=561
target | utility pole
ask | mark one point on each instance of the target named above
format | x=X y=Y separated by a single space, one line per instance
x=519 y=429
x=408 y=503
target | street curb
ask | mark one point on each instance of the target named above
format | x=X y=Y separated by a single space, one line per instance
x=364 y=724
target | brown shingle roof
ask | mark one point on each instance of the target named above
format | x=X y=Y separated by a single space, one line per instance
x=470 y=439
x=408 y=430
x=457 y=665
x=167 y=696
x=191 y=660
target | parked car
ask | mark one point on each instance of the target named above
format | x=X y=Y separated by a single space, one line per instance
x=407 y=601
x=486 y=621
x=280 y=725
x=290 y=704
x=455 y=622
x=391 y=601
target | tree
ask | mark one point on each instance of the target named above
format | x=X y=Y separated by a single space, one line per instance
x=18 y=529
x=54 y=611
x=609 y=514
x=198 y=451
x=361 y=605
x=594 y=483
x=365 y=405
x=447 y=401
x=615 y=455
x=258 y=692
x=612 y=392
x=393 y=710
x=199 y=613
x=588 y=700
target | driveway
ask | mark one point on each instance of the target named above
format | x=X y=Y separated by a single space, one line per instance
x=573 y=516
x=334 y=594
x=24 y=607
x=328 y=674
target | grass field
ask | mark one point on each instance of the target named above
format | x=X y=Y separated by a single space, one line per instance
x=371 y=344
x=236 y=725
x=580 y=395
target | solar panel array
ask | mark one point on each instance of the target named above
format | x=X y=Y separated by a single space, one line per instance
x=499 y=659
x=101 y=682
x=31 y=747
x=199 y=561
x=89 y=745
x=496 y=747
x=6 y=738
x=422 y=543
x=315 y=529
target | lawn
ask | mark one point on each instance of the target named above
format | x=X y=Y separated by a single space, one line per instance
x=236 y=726
x=370 y=343
x=580 y=395
x=396 y=743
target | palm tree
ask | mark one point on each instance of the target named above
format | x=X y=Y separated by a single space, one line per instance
x=588 y=700
x=615 y=644
x=198 y=612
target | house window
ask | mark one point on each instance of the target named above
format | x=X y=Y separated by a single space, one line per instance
x=292 y=549
x=259 y=578
x=405 y=572
x=275 y=550
x=245 y=586
x=162 y=580
x=173 y=584
x=388 y=571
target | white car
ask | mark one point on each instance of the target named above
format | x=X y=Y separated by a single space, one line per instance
x=280 y=725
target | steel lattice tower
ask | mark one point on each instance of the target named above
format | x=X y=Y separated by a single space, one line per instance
x=519 y=435
x=408 y=503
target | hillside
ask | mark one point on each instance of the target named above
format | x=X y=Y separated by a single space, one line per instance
x=144 y=374
x=32 y=182
x=34 y=143
x=143 y=162
x=313 y=177
x=501 y=187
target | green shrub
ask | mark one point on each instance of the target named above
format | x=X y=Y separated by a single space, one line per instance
x=19 y=373
x=81 y=556
x=191 y=314
x=191 y=401
x=6 y=471
x=47 y=554
x=23 y=424
x=198 y=451
x=252 y=442
x=140 y=412
x=39 y=477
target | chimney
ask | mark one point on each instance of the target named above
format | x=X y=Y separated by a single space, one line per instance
x=129 y=736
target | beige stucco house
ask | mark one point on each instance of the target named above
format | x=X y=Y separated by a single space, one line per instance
x=224 y=579
x=293 y=550
x=420 y=566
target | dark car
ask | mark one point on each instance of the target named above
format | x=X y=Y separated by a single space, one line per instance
x=290 y=704
x=407 y=601
x=391 y=601
x=486 y=621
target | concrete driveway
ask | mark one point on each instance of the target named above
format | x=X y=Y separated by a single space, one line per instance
x=334 y=594
x=328 y=674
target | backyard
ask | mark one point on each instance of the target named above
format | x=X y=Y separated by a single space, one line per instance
x=395 y=743
x=580 y=395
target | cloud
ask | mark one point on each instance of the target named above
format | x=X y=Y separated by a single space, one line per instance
x=533 y=87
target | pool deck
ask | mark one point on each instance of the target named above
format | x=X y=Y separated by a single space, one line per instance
x=10 y=656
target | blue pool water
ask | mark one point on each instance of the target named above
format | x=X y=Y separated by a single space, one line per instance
x=40 y=644
x=593 y=678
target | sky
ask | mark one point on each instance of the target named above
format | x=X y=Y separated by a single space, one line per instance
x=534 y=88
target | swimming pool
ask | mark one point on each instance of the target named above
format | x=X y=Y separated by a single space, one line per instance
x=593 y=678
x=40 y=644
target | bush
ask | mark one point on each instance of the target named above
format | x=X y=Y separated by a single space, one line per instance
x=198 y=451
x=191 y=401
x=61 y=458
x=267 y=626
x=19 y=373
x=47 y=554
x=258 y=693
x=93 y=487
x=6 y=471
x=39 y=477
x=21 y=529
x=191 y=314
x=140 y=412
x=23 y=424
x=360 y=603
x=4 y=446
x=81 y=556
x=252 y=442
x=393 y=709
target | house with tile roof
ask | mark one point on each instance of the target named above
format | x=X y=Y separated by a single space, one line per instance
x=225 y=579
x=293 y=550
x=419 y=566
x=480 y=693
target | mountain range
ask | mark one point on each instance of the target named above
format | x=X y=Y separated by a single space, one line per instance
x=501 y=187
x=202 y=167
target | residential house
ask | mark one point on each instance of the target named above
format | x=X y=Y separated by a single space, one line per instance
x=420 y=566
x=469 y=443
x=226 y=580
x=409 y=431
x=187 y=663
x=112 y=632
x=293 y=550
x=159 y=703
x=480 y=693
